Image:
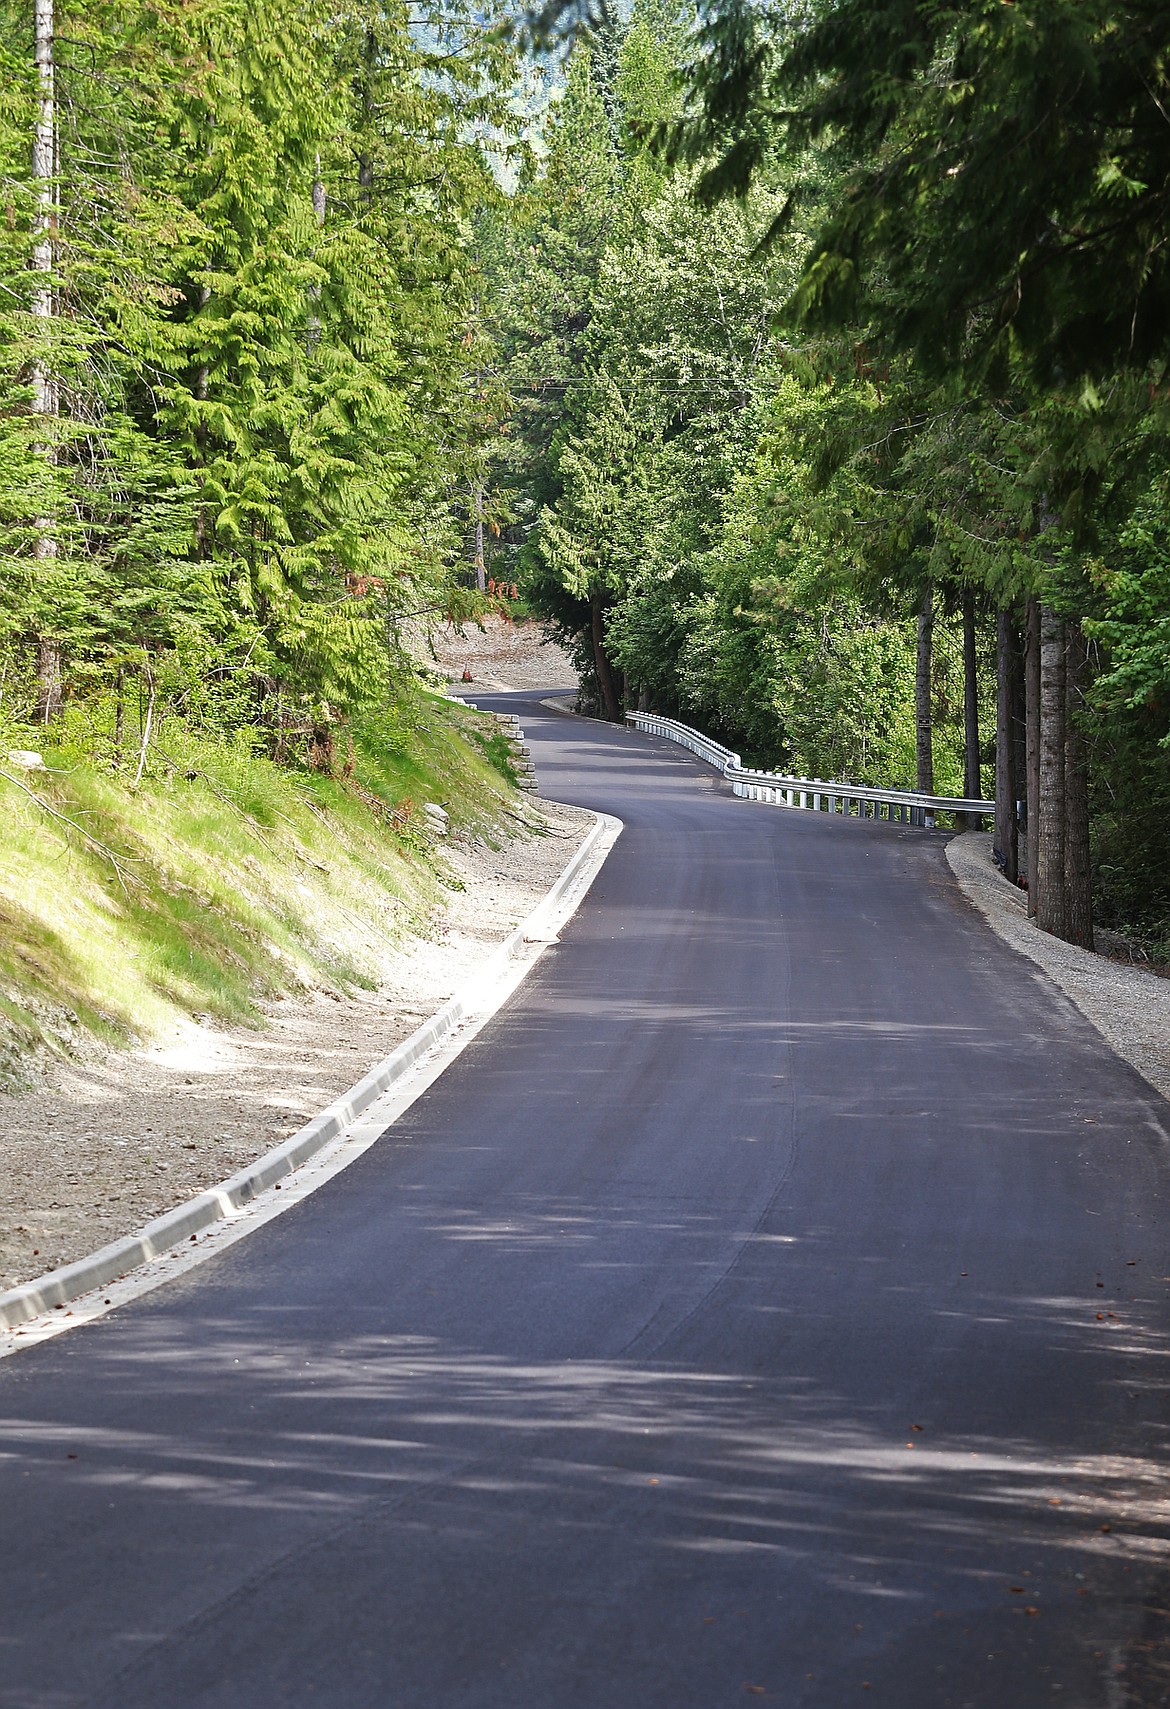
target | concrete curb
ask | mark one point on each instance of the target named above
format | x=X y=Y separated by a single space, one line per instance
x=59 y=1287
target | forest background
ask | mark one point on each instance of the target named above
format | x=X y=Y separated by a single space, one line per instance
x=802 y=368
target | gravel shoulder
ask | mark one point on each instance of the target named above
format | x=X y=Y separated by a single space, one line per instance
x=1129 y=1006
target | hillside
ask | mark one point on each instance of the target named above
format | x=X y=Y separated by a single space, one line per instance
x=221 y=881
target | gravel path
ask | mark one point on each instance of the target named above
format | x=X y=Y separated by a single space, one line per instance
x=1128 y=1005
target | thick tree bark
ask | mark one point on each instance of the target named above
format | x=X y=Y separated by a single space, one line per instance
x=924 y=735
x=1006 y=838
x=1077 y=866
x=972 y=781
x=1051 y=905
x=1032 y=747
x=605 y=682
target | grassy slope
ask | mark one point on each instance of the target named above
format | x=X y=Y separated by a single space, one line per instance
x=231 y=879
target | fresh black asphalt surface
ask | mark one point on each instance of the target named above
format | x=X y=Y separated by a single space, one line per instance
x=770 y=1304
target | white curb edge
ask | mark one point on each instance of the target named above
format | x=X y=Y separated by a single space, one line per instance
x=480 y=998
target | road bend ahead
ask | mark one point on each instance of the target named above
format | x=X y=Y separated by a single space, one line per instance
x=771 y=1303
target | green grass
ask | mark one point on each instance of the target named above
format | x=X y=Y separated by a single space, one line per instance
x=222 y=880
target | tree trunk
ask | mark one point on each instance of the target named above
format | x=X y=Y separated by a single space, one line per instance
x=314 y=328
x=1032 y=747
x=1051 y=907
x=601 y=662
x=477 y=536
x=321 y=753
x=119 y=715
x=44 y=382
x=202 y=386
x=369 y=117
x=1077 y=865
x=1019 y=747
x=972 y=780
x=924 y=734
x=49 y=678
x=43 y=166
x=147 y=722
x=1006 y=838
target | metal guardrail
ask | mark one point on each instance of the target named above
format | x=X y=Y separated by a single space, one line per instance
x=902 y=806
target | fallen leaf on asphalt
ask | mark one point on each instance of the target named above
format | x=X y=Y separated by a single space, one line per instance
x=1031 y=1610
x=756 y=1690
x=918 y=1427
x=1016 y=1589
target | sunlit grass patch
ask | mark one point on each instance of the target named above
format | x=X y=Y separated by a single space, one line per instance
x=223 y=880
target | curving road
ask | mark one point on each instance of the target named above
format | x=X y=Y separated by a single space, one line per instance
x=771 y=1303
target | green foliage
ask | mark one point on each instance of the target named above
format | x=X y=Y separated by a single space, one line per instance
x=258 y=349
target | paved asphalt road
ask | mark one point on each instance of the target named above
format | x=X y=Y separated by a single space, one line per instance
x=724 y=1325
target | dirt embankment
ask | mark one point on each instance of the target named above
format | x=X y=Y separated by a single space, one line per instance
x=107 y=1143
x=104 y=1146
x=500 y=655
